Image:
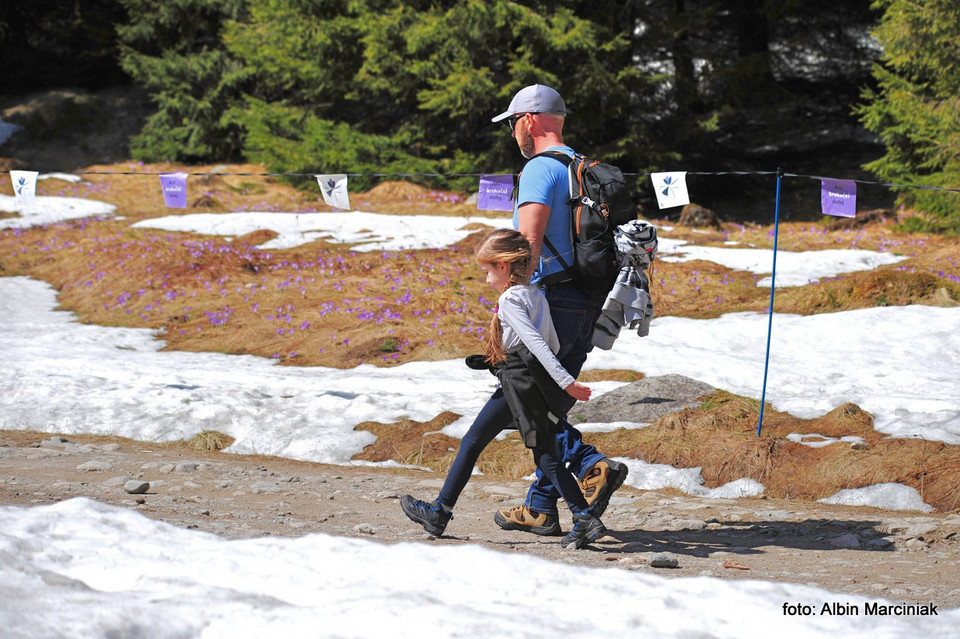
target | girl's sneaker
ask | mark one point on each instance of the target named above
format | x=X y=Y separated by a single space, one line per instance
x=586 y=528
x=430 y=515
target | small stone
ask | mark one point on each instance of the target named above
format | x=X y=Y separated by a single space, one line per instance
x=95 y=465
x=136 y=487
x=699 y=216
x=920 y=530
x=496 y=489
x=684 y=524
x=916 y=544
x=663 y=560
x=59 y=443
x=880 y=543
x=265 y=487
x=848 y=540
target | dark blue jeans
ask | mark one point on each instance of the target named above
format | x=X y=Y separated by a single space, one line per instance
x=574 y=315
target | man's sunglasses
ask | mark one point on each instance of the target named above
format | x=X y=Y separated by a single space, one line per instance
x=511 y=122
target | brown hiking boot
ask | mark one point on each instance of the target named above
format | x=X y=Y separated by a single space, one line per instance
x=600 y=482
x=522 y=518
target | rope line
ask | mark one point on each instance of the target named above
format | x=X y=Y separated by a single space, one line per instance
x=893 y=185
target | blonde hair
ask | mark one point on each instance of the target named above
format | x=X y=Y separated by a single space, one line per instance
x=513 y=249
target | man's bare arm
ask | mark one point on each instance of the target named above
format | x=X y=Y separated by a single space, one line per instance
x=532 y=224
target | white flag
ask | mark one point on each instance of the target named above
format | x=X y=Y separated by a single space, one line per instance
x=25 y=189
x=671 y=188
x=334 y=190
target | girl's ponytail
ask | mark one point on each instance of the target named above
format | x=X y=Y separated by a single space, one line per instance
x=493 y=349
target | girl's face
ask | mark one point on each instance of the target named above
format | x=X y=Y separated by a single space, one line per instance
x=498 y=274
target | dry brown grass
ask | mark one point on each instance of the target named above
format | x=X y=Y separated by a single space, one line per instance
x=930 y=275
x=315 y=305
x=720 y=437
x=610 y=375
x=310 y=306
x=323 y=305
x=209 y=440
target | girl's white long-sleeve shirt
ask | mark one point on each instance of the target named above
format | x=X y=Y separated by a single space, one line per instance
x=525 y=319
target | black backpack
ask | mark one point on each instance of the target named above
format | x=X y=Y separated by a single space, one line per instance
x=599 y=203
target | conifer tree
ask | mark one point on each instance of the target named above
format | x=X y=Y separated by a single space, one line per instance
x=173 y=49
x=915 y=108
x=409 y=86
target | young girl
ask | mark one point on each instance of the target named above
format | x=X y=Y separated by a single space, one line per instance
x=535 y=389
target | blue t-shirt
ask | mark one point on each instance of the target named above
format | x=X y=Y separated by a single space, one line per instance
x=545 y=181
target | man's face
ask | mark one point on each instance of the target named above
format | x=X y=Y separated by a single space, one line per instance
x=521 y=131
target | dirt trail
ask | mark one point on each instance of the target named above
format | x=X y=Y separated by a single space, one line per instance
x=898 y=556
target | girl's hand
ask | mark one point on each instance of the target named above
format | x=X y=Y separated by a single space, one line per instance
x=578 y=391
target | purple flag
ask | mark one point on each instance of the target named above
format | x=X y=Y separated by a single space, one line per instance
x=838 y=197
x=174 y=187
x=496 y=193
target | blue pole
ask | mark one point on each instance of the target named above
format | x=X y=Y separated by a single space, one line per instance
x=773 y=282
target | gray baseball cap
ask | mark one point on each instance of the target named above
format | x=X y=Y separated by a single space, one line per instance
x=535 y=98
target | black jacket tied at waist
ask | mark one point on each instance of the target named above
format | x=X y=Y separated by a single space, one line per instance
x=533 y=397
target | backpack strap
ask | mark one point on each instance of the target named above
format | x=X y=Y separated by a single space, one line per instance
x=556 y=155
x=554 y=278
x=566 y=160
x=576 y=198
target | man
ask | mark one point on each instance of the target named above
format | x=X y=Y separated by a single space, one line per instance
x=535 y=117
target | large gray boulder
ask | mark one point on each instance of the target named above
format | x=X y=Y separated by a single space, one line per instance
x=643 y=401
